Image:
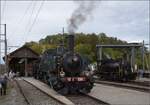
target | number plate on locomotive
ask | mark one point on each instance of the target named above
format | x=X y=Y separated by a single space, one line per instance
x=73 y=79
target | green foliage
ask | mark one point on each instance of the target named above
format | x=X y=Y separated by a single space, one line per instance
x=86 y=50
x=40 y=47
x=85 y=44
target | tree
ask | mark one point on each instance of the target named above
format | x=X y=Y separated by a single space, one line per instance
x=85 y=49
x=86 y=45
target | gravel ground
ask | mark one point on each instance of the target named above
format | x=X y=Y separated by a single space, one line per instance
x=13 y=96
x=35 y=96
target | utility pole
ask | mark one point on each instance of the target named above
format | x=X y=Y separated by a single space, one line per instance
x=0 y=51
x=6 y=60
x=143 y=64
x=149 y=53
x=62 y=44
x=4 y=40
x=133 y=58
x=63 y=36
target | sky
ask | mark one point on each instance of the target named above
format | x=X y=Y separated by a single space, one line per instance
x=32 y=20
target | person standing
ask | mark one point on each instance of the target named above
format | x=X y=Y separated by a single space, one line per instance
x=4 y=85
x=1 y=87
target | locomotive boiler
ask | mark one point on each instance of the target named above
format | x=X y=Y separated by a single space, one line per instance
x=64 y=70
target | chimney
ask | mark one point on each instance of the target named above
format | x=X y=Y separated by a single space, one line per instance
x=71 y=43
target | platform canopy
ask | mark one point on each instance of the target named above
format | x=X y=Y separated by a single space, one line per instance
x=23 y=52
x=22 y=60
x=131 y=46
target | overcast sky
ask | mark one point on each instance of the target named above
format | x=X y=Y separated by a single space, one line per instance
x=126 y=20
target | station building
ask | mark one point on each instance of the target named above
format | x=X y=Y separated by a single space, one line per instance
x=22 y=61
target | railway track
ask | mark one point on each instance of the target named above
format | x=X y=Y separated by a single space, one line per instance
x=21 y=91
x=130 y=85
x=33 y=96
x=82 y=99
x=36 y=98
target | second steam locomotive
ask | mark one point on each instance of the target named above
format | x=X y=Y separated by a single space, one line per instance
x=65 y=70
x=115 y=70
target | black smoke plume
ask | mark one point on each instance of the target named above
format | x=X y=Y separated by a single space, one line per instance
x=80 y=15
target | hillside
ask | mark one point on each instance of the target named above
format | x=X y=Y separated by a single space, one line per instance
x=85 y=44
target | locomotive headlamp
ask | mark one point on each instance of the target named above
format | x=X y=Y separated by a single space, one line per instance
x=75 y=59
x=87 y=73
x=62 y=73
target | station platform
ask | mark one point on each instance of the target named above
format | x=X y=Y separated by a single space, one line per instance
x=143 y=80
x=46 y=89
x=119 y=96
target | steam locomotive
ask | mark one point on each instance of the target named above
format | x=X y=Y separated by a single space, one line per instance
x=65 y=70
x=115 y=70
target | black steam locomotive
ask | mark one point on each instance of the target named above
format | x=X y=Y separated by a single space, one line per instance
x=64 y=70
x=115 y=70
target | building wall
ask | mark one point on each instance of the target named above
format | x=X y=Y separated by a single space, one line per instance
x=2 y=69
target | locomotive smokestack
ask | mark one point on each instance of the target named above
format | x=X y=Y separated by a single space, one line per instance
x=78 y=17
x=71 y=43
